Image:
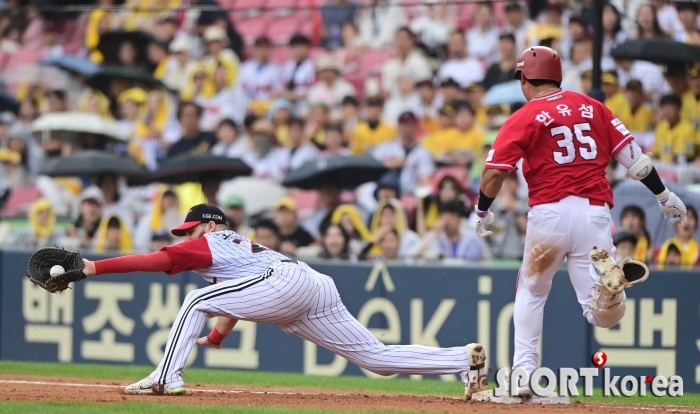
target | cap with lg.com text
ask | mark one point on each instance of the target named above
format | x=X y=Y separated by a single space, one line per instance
x=201 y=213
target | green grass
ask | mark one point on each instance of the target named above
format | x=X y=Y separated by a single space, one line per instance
x=20 y=407
x=254 y=378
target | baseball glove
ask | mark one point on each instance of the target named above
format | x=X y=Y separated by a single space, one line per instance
x=41 y=262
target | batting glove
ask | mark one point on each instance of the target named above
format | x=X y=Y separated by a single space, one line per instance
x=480 y=219
x=672 y=206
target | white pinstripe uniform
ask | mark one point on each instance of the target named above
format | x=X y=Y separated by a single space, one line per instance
x=301 y=301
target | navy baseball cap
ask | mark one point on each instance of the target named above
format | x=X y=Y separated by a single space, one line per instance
x=201 y=213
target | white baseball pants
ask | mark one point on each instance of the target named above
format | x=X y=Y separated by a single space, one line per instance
x=566 y=229
x=303 y=303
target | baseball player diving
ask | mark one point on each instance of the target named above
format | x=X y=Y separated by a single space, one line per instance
x=566 y=140
x=253 y=283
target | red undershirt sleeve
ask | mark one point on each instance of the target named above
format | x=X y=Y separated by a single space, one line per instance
x=154 y=262
x=188 y=255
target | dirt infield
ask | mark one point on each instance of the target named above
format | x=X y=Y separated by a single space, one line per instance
x=37 y=388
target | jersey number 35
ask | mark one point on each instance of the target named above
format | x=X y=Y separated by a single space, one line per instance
x=588 y=149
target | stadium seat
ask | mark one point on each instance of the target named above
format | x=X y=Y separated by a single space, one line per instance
x=22 y=57
x=412 y=8
x=20 y=201
x=252 y=28
x=465 y=15
x=281 y=7
x=247 y=9
x=283 y=28
x=372 y=61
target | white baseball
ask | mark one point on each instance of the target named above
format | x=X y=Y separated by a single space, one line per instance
x=57 y=270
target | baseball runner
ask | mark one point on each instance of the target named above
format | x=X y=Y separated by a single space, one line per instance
x=250 y=282
x=566 y=140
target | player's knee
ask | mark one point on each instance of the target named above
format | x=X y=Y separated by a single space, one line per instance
x=191 y=296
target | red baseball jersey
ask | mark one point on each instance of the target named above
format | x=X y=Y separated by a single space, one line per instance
x=565 y=140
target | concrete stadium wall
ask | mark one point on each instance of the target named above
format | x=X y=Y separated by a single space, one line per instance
x=125 y=319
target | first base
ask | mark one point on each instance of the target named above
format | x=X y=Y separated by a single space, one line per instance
x=488 y=396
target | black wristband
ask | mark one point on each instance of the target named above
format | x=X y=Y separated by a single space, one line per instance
x=484 y=201
x=653 y=182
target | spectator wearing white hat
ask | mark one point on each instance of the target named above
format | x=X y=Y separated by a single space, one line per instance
x=218 y=51
x=331 y=88
x=81 y=233
x=177 y=62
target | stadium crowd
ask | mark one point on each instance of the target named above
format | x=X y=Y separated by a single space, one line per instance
x=277 y=83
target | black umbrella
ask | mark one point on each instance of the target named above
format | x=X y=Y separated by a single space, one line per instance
x=198 y=168
x=111 y=41
x=102 y=79
x=92 y=163
x=657 y=50
x=345 y=172
x=8 y=103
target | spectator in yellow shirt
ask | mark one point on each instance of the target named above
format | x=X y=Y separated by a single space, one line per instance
x=640 y=119
x=694 y=80
x=615 y=99
x=677 y=78
x=674 y=136
x=468 y=139
x=435 y=143
x=373 y=131
x=474 y=93
x=461 y=143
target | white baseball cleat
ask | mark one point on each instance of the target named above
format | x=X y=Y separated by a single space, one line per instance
x=525 y=392
x=142 y=387
x=476 y=379
x=616 y=277
x=173 y=388
x=149 y=386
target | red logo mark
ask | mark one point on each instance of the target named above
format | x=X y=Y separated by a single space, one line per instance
x=648 y=379
x=599 y=359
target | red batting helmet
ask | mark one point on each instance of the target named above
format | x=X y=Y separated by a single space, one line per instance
x=539 y=62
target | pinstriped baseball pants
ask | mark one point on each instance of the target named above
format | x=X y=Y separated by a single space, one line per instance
x=306 y=304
